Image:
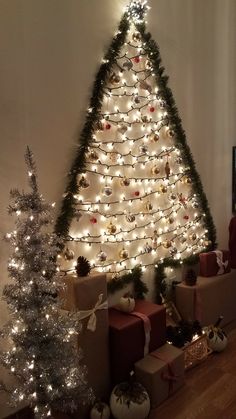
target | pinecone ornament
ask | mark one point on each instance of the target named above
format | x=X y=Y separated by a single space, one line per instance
x=83 y=266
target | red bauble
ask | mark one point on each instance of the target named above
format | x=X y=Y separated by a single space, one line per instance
x=136 y=193
x=93 y=220
x=137 y=59
x=186 y=217
x=152 y=109
x=108 y=126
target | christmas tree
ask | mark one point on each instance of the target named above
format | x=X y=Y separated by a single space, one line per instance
x=134 y=197
x=44 y=357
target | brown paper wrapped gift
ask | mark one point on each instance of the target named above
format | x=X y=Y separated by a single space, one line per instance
x=208 y=299
x=161 y=373
x=83 y=294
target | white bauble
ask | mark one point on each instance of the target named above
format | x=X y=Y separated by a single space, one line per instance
x=216 y=338
x=126 y=304
x=129 y=401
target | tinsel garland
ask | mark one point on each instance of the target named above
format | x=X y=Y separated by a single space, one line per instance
x=68 y=203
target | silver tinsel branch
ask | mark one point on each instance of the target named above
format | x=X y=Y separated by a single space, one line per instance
x=44 y=356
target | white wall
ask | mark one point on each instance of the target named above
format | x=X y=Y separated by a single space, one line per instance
x=49 y=53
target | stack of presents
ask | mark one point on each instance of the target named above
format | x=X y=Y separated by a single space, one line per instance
x=116 y=342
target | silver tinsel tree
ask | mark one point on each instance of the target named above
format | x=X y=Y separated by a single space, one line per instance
x=44 y=356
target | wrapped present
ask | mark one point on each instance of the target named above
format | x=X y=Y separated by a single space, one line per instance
x=208 y=299
x=161 y=373
x=89 y=296
x=215 y=263
x=133 y=335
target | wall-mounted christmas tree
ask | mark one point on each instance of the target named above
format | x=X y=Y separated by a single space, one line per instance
x=44 y=356
x=134 y=197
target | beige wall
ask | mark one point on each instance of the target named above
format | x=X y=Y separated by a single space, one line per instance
x=49 y=53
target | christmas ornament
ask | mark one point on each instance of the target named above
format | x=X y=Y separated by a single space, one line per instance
x=182 y=200
x=108 y=126
x=171 y=220
x=130 y=218
x=93 y=220
x=136 y=36
x=162 y=104
x=100 y=411
x=186 y=217
x=136 y=193
x=182 y=239
x=93 y=155
x=145 y=86
x=137 y=59
x=167 y=244
x=151 y=109
x=129 y=400
x=173 y=251
x=126 y=303
x=136 y=99
x=113 y=157
x=193 y=236
x=167 y=169
x=114 y=78
x=144 y=118
x=124 y=254
x=84 y=183
x=111 y=228
x=179 y=160
x=216 y=337
x=83 y=266
x=195 y=204
x=170 y=133
x=207 y=243
x=147 y=248
x=128 y=65
x=122 y=128
x=172 y=197
x=154 y=137
x=125 y=181
x=148 y=65
x=148 y=206
x=163 y=189
x=143 y=148
x=187 y=180
x=101 y=256
x=154 y=239
x=155 y=170
x=68 y=254
x=107 y=190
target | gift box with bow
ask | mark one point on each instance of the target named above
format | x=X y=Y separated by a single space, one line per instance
x=215 y=263
x=161 y=373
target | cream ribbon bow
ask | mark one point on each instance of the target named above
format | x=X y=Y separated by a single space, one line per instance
x=219 y=260
x=92 y=322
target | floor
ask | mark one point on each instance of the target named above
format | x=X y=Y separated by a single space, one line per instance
x=209 y=392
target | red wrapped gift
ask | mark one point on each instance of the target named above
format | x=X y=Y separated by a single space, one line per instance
x=215 y=263
x=133 y=335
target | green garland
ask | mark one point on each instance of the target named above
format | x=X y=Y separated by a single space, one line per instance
x=117 y=283
x=79 y=165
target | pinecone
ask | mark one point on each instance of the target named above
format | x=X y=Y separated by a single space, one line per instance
x=83 y=266
x=191 y=277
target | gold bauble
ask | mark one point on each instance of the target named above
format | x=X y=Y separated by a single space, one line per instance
x=170 y=133
x=193 y=236
x=124 y=254
x=101 y=256
x=154 y=137
x=68 y=254
x=84 y=183
x=148 y=206
x=163 y=189
x=114 y=78
x=111 y=228
x=167 y=244
x=155 y=170
x=93 y=155
x=125 y=181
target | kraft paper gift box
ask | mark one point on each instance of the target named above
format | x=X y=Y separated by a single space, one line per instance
x=161 y=373
x=83 y=294
x=214 y=263
x=128 y=342
x=208 y=299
